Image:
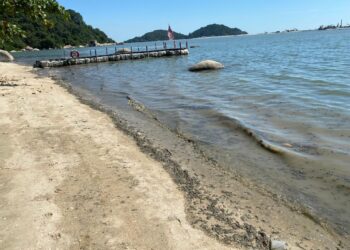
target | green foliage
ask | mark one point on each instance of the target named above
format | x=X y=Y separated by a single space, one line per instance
x=216 y=30
x=33 y=9
x=156 y=35
x=210 y=30
x=53 y=28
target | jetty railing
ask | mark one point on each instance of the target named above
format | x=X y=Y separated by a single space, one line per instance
x=119 y=54
x=141 y=49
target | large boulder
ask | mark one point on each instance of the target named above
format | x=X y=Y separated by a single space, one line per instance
x=6 y=56
x=206 y=65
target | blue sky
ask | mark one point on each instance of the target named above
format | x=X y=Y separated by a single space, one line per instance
x=122 y=20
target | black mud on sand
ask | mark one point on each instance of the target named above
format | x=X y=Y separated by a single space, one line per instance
x=218 y=201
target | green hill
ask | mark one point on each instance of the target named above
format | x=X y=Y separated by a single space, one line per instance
x=156 y=35
x=65 y=31
x=216 y=30
x=210 y=30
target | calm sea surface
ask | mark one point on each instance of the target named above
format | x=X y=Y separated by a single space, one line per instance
x=291 y=91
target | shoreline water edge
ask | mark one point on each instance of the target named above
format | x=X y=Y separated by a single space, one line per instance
x=219 y=202
x=71 y=180
x=277 y=114
x=211 y=190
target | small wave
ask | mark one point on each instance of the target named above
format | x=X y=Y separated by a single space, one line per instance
x=138 y=106
x=282 y=77
x=228 y=122
x=233 y=123
x=334 y=92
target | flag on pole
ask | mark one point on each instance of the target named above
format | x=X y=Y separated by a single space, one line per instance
x=170 y=34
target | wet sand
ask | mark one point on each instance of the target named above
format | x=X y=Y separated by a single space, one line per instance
x=74 y=177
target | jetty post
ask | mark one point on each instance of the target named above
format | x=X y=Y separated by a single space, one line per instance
x=186 y=44
x=106 y=51
x=95 y=53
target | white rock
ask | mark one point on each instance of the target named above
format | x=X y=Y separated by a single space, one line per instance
x=28 y=48
x=6 y=56
x=278 y=245
x=124 y=51
x=206 y=65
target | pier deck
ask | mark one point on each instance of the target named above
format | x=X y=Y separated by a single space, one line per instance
x=117 y=56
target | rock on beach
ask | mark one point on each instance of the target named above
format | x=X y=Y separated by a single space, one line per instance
x=5 y=56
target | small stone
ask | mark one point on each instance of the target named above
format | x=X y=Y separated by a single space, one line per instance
x=278 y=245
x=287 y=145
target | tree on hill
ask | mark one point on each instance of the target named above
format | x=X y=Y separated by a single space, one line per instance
x=55 y=28
x=208 y=31
x=216 y=30
x=156 y=35
x=34 y=9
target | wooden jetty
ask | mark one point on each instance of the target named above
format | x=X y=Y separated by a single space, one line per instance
x=118 y=55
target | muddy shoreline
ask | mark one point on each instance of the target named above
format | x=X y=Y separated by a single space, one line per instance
x=220 y=202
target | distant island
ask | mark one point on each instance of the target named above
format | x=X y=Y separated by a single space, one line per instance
x=207 y=31
x=156 y=35
x=71 y=31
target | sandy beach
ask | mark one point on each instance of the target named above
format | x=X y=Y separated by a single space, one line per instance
x=69 y=179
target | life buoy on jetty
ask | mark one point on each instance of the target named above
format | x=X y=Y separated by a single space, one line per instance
x=74 y=54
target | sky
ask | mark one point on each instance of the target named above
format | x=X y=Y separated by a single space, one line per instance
x=122 y=20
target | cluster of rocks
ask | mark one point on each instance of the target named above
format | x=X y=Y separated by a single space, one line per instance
x=27 y=48
x=95 y=43
x=71 y=47
x=119 y=56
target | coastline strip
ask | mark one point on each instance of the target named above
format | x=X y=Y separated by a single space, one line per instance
x=88 y=183
x=70 y=179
